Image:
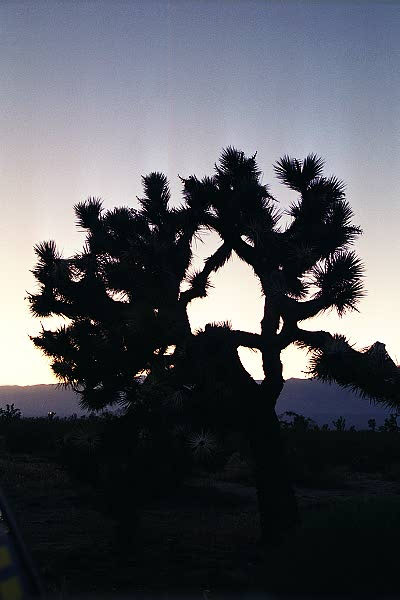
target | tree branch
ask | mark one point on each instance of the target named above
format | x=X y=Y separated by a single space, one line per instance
x=371 y=372
x=308 y=308
x=246 y=339
x=245 y=252
x=296 y=310
x=212 y=263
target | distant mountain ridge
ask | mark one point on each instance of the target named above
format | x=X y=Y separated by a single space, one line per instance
x=320 y=401
x=38 y=400
x=324 y=402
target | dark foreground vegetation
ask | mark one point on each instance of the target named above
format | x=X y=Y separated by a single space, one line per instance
x=178 y=511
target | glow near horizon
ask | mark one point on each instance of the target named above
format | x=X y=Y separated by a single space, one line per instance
x=96 y=94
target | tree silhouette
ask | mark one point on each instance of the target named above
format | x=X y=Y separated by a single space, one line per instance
x=125 y=297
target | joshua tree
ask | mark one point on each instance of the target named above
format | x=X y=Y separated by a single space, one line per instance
x=126 y=297
x=10 y=413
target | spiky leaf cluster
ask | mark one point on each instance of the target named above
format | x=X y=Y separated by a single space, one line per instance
x=371 y=373
x=120 y=293
x=339 y=279
x=124 y=297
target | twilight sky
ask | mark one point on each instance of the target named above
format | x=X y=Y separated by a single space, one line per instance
x=95 y=94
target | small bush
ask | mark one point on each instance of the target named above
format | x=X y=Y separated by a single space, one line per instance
x=9 y=413
x=237 y=469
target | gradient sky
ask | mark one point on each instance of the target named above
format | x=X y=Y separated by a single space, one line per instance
x=95 y=94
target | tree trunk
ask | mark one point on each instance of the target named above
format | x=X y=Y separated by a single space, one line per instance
x=276 y=499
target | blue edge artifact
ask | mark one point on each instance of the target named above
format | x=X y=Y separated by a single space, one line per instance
x=18 y=577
